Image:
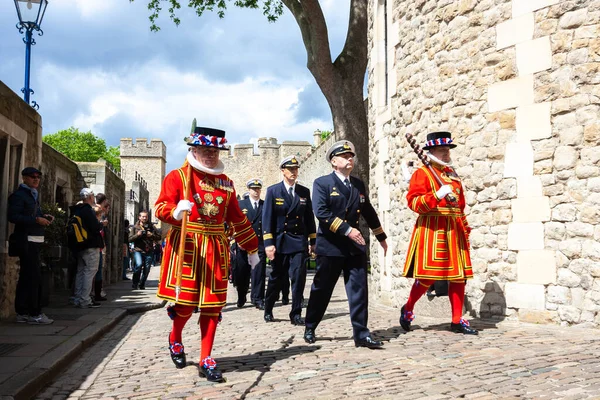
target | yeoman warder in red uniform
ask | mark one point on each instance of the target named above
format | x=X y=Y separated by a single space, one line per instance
x=211 y=205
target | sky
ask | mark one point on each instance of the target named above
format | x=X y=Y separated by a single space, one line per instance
x=99 y=68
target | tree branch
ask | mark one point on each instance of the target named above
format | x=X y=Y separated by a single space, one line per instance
x=353 y=58
x=309 y=17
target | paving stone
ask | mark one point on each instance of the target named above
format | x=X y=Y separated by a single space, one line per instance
x=272 y=361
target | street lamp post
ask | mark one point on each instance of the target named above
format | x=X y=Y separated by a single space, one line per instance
x=30 y=13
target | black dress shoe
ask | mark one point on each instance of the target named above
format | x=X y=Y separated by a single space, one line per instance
x=142 y=287
x=260 y=305
x=285 y=302
x=297 y=320
x=463 y=327
x=309 y=335
x=240 y=303
x=368 y=342
x=211 y=372
x=406 y=317
x=177 y=354
x=269 y=318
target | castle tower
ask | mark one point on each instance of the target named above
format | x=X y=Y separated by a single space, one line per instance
x=145 y=159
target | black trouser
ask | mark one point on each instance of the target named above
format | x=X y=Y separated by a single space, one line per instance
x=355 y=279
x=257 y=293
x=286 y=267
x=241 y=274
x=29 y=287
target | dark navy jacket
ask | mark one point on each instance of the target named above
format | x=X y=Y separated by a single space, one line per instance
x=337 y=209
x=255 y=218
x=288 y=224
x=90 y=224
x=22 y=211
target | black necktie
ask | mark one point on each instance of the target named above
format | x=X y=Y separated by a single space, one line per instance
x=347 y=183
x=291 y=191
x=255 y=205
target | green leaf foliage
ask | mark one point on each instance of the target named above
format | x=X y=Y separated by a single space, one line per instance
x=271 y=9
x=113 y=156
x=325 y=134
x=83 y=146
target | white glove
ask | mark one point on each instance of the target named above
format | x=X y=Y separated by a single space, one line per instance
x=443 y=191
x=253 y=260
x=183 y=205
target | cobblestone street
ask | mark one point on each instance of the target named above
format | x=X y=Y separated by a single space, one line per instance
x=263 y=360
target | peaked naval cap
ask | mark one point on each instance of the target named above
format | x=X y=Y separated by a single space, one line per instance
x=254 y=184
x=207 y=137
x=289 y=162
x=435 y=139
x=338 y=148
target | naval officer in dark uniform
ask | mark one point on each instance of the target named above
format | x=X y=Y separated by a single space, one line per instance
x=252 y=206
x=338 y=202
x=288 y=230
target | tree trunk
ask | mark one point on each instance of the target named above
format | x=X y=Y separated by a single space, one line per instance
x=341 y=81
x=350 y=120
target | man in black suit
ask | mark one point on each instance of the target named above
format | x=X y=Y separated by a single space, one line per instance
x=288 y=228
x=252 y=206
x=338 y=201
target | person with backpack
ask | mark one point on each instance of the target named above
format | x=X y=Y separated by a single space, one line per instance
x=85 y=240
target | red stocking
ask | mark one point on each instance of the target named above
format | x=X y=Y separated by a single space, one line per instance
x=419 y=288
x=209 y=317
x=456 y=292
x=180 y=314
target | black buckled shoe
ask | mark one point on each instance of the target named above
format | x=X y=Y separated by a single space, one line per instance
x=463 y=327
x=297 y=320
x=309 y=335
x=406 y=317
x=209 y=370
x=177 y=354
x=368 y=342
x=269 y=318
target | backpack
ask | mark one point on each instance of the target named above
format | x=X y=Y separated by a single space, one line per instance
x=77 y=236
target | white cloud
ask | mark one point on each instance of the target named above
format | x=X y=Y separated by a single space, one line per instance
x=86 y=8
x=160 y=99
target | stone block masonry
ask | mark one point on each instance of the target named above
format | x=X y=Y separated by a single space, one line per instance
x=517 y=83
x=147 y=159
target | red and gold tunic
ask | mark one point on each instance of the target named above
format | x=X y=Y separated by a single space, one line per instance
x=439 y=246
x=206 y=258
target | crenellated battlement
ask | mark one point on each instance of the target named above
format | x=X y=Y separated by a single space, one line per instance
x=243 y=163
x=141 y=147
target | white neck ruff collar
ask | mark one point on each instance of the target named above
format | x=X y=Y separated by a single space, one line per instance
x=218 y=170
x=438 y=161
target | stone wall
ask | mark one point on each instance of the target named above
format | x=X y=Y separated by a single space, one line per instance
x=517 y=83
x=242 y=164
x=61 y=181
x=147 y=160
x=137 y=200
x=20 y=146
x=315 y=165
